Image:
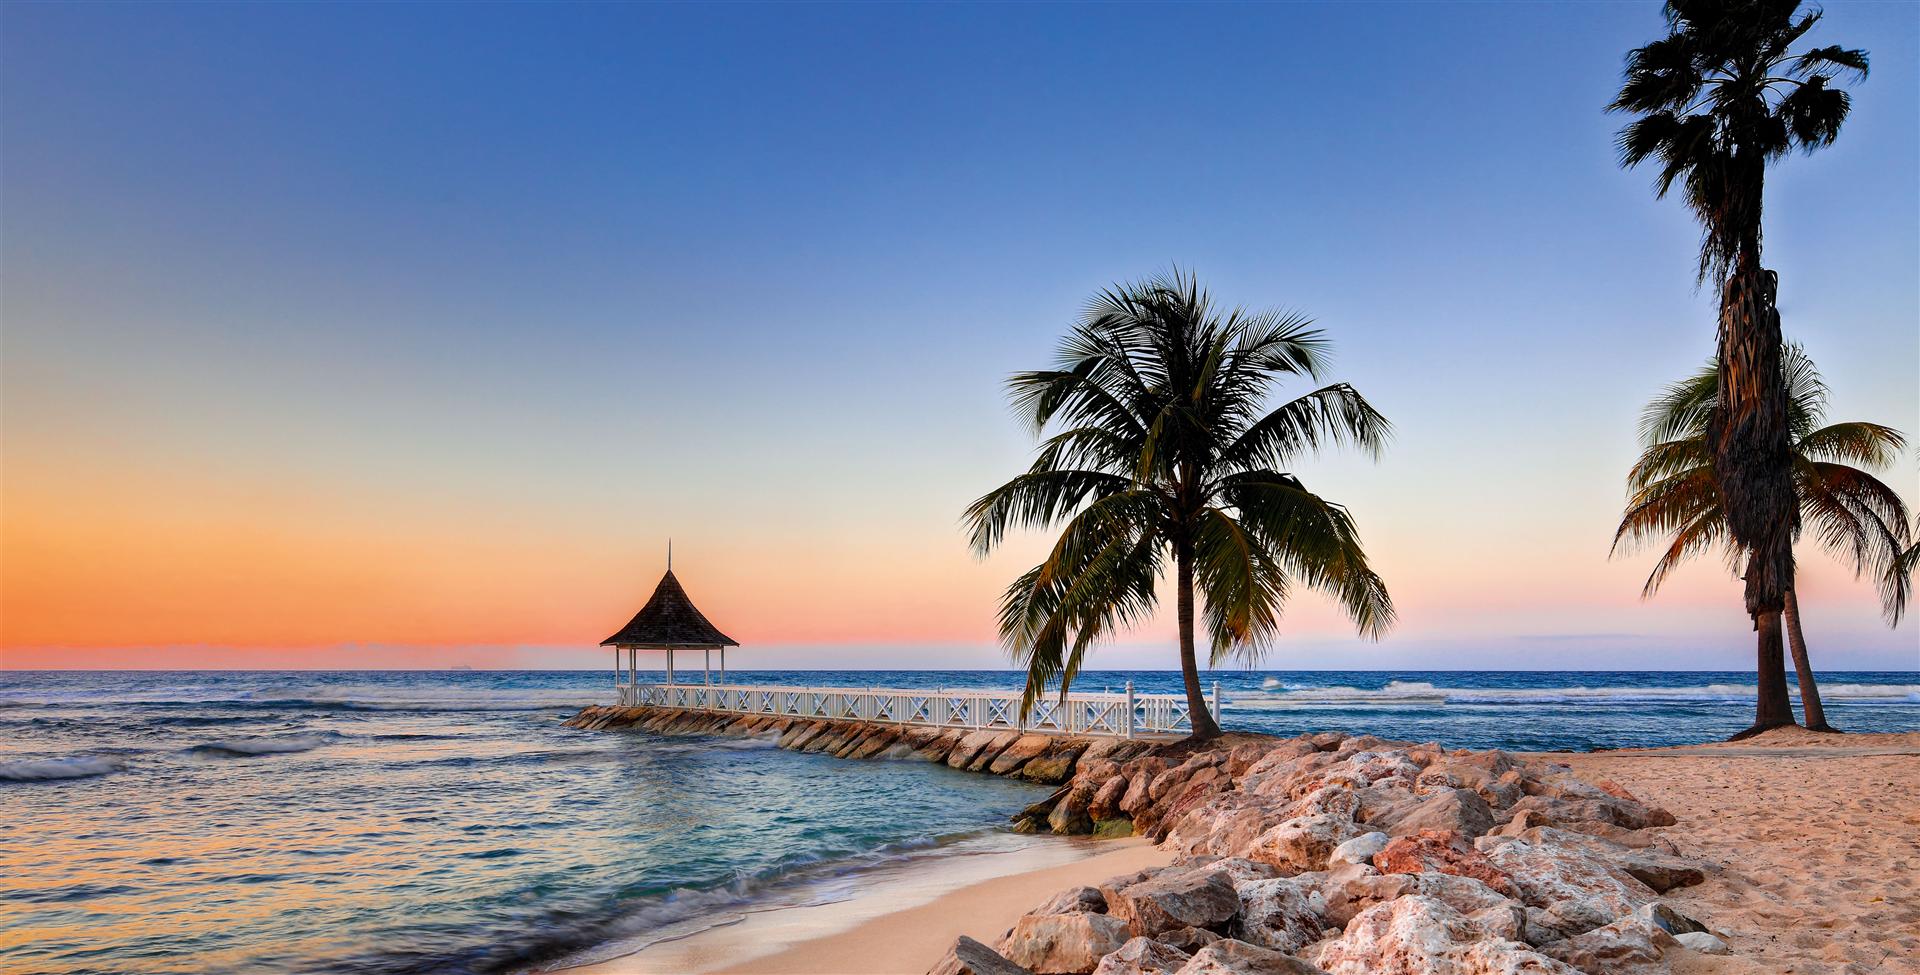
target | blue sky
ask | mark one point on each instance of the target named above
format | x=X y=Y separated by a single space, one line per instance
x=424 y=325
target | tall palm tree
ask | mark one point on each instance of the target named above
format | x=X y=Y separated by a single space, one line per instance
x=1163 y=451
x=1719 y=98
x=1674 y=498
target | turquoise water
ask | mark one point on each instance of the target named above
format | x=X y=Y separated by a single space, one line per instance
x=446 y=822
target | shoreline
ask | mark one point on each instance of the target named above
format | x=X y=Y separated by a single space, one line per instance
x=1799 y=878
x=902 y=919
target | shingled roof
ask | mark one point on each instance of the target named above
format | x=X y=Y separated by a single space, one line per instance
x=669 y=619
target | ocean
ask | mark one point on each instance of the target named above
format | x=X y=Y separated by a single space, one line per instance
x=397 y=822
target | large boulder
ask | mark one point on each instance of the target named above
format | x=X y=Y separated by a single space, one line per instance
x=1280 y=913
x=1303 y=843
x=1060 y=944
x=970 y=747
x=1055 y=765
x=1571 y=890
x=1658 y=870
x=970 y=957
x=1360 y=849
x=994 y=746
x=1350 y=891
x=1105 y=803
x=1143 y=956
x=1418 y=935
x=1199 y=897
x=1455 y=810
x=1230 y=957
x=1069 y=815
x=1072 y=900
x=1140 y=776
x=1442 y=851
x=1627 y=946
x=1022 y=750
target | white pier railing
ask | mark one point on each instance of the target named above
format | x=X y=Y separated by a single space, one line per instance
x=1110 y=715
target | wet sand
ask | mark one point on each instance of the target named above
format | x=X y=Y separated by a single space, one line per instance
x=902 y=922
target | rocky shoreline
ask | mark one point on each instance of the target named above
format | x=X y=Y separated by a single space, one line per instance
x=1350 y=855
x=1346 y=855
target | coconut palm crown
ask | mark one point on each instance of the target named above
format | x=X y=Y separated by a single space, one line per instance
x=1858 y=518
x=1163 y=456
x=1723 y=95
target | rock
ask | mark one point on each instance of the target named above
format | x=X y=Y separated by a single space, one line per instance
x=1457 y=810
x=970 y=747
x=1112 y=829
x=1352 y=890
x=1575 y=891
x=1703 y=943
x=874 y=744
x=1226 y=823
x=1439 y=851
x=1418 y=935
x=1055 y=766
x=1558 y=810
x=938 y=749
x=1106 y=800
x=1022 y=750
x=1659 y=915
x=1188 y=940
x=1660 y=871
x=1279 y=913
x=1069 y=816
x=1625 y=946
x=1074 y=899
x=994 y=746
x=1230 y=957
x=1139 y=781
x=970 y=957
x=1360 y=849
x=1199 y=897
x=1143 y=956
x=1327 y=741
x=1303 y=843
x=1056 y=944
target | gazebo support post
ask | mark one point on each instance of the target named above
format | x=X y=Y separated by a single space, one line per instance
x=706 y=670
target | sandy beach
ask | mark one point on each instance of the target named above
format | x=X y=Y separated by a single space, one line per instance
x=1817 y=837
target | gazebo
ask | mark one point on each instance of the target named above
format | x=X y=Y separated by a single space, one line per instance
x=669 y=621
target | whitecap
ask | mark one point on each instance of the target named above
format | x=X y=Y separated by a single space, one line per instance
x=280 y=745
x=51 y=769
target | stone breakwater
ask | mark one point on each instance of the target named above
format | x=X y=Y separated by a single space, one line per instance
x=1045 y=759
x=1355 y=856
x=1328 y=853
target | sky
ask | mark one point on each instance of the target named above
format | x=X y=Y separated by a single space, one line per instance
x=407 y=335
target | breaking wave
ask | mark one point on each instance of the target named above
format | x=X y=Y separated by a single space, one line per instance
x=54 y=769
x=276 y=745
x=1275 y=693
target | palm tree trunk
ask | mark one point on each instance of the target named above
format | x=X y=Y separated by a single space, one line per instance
x=1815 y=715
x=1753 y=465
x=1204 y=726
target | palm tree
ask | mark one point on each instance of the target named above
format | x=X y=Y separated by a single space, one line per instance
x=1162 y=452
x=1718 y=98
x=1674 y=498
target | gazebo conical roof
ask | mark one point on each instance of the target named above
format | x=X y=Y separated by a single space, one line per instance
x=669 y=619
